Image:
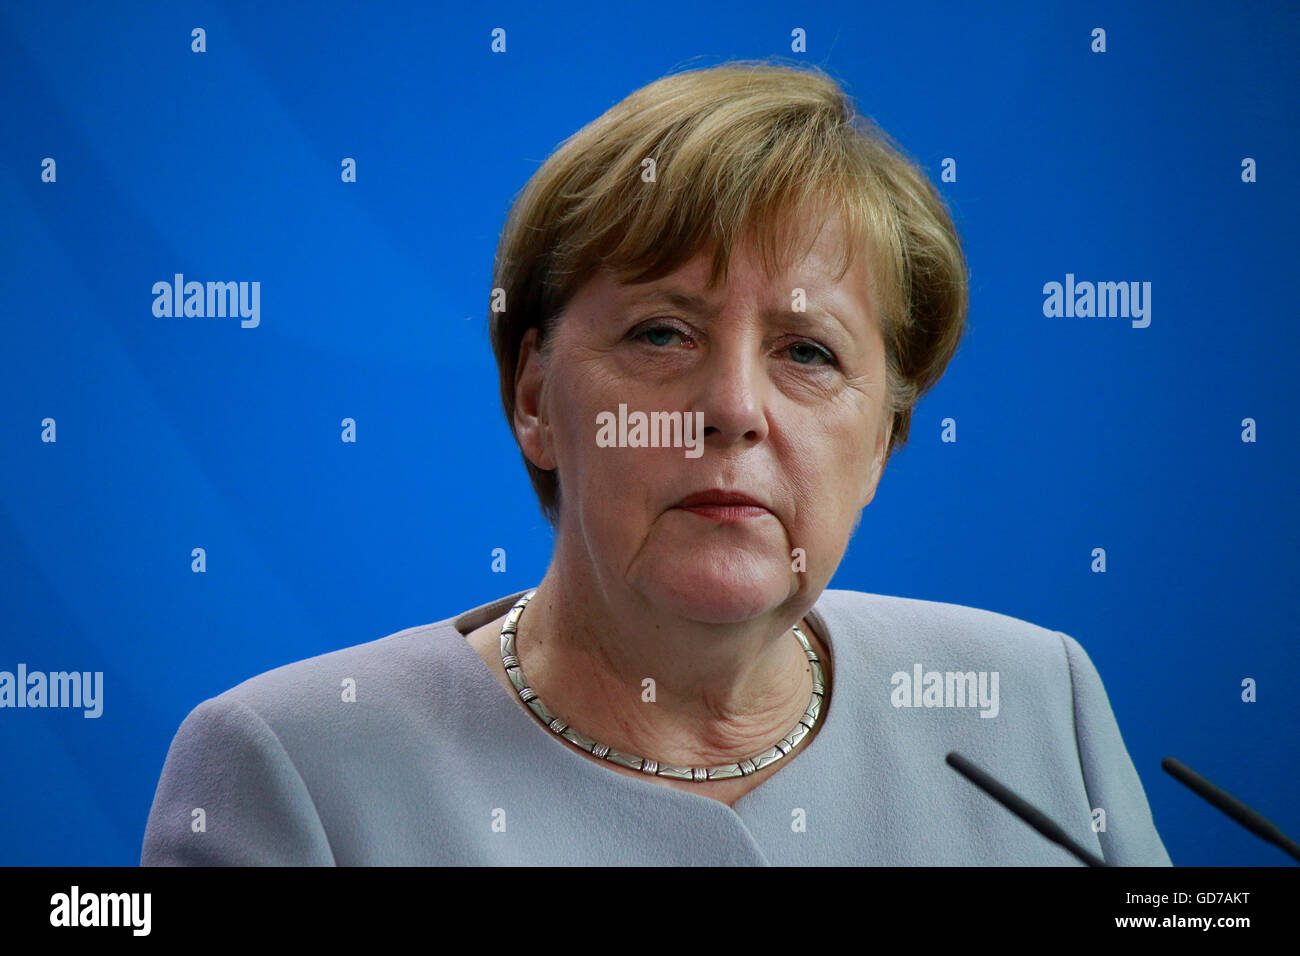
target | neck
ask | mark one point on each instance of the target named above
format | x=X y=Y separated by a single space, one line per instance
x=721 y=691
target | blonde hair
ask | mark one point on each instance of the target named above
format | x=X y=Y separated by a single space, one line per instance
x=737 y=147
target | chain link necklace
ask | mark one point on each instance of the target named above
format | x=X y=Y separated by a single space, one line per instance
x=744 y=768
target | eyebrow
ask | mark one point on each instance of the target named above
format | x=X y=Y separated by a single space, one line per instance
x=682 y=300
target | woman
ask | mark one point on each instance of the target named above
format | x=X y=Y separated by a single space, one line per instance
x=715 y=309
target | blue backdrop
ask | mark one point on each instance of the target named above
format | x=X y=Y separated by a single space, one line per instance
x=1168 y=158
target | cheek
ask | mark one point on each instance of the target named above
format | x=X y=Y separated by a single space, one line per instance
x=573 y=428
x=579 y=391
x=633 y=477
x=831 y=465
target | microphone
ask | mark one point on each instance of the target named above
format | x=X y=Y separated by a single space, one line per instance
x=1248 y=818
x=1025 y=811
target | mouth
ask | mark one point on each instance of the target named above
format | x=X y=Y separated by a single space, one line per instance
x=725 y=506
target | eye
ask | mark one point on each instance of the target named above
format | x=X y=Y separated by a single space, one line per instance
x=803 y=353
x=811 y=352
x=657 y=335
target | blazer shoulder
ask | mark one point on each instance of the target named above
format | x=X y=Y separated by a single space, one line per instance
x=308 y=691
x=230 y=795
x=918 y=624
x=244 y=772
x=1058 y=688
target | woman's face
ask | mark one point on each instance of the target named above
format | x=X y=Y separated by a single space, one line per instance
x=794 y=414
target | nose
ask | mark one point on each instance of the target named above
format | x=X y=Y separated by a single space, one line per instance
x=733 y=392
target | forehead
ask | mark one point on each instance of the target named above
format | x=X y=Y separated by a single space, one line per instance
x=816 y=262
x=808 y=254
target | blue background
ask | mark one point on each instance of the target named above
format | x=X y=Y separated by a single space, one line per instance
x=176 y=433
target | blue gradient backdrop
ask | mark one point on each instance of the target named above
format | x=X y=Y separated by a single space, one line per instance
x=176 y=433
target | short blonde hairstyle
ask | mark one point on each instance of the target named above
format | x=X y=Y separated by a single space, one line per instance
x=737 y=147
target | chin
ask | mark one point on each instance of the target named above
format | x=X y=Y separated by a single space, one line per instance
x=719 y=592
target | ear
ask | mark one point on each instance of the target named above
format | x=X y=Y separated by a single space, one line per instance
x=878 y=460
x=532 y=426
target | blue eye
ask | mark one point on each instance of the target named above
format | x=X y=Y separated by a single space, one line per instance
x=814 y=350
x=660 y=336
x=657 y=330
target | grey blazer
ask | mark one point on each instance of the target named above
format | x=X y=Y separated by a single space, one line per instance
x=406 y=750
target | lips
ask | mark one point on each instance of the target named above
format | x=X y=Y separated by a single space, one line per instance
x=718 y=497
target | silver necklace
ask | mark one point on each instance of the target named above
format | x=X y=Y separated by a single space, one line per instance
x=744 y=768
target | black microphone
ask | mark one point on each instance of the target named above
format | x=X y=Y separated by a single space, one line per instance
x=1025 y=811
x=1248 y=818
